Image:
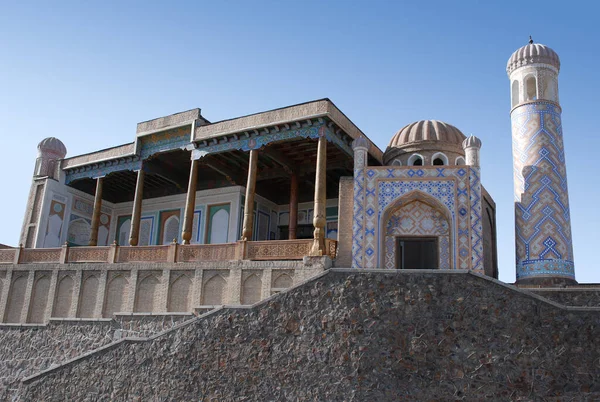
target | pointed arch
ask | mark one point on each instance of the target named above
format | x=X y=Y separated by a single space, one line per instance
x=531 y=92
x=283 y=281
x=16 y=299
x=171 y=229
x=515 y=93
x=39 y=299
x=439 y=159
x=115 y=295
x=88 y=297
x=180 y=294
x=251 y=289
x=147 y=293
x=416 y=160
x=64 y=297
x=432 y=202
x=214 y=290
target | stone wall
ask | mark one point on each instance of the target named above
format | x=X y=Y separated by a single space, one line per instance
x=28 y=349
x=581 y=297
x=354 y=335
x=34 y=293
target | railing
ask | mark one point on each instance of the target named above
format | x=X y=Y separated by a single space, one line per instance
x=278 y=250
x=248 y=250
x=39 y=255
x=143 y=254
x=88 y=254
x=7 y=255
x=207 y=252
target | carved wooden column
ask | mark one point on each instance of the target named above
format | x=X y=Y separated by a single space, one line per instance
x=190 y=203
x=96 y=213
x=293 y=225
x=249 y=204
x=319 y=219
x=137 y=209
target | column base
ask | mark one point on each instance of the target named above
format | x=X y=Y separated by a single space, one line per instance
x=551 y=282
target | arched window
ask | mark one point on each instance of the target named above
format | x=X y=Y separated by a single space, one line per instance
x=550 y=89
x=531 y=88
x=171 y=230
x=396 y=162
x=439 y=159
x=515 y=93
x=415 y=160
x=460 y=161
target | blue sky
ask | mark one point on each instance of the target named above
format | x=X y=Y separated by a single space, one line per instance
x=87 y=73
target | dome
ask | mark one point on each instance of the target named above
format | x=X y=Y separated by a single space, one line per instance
x=427 y=130
x=360 y=142
x=530 y=54
x=54 y=146
x=471 y=141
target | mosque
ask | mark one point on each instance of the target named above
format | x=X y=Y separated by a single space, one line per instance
x=156 y=224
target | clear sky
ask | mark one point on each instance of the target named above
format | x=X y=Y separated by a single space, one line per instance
x=87 y=73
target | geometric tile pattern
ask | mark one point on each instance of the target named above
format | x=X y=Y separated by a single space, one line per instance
x=454 y=190
x=246 y=144
x=542 y=220
x=417 y=218
x=358 y=224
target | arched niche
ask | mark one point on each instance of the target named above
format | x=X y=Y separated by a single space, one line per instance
x=416 y=215
x=251 y=289
x=531 y=88
x=88 y=297
x=213 y=291
x=180 y=294
x=515 y=93
x=147 y=294
x=64 y=297
x=115 y=296
x=460 y=161
x=171 y=229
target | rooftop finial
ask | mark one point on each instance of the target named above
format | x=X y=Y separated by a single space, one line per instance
x=530 y=40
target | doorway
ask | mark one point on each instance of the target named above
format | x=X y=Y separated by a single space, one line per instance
x=417 y=253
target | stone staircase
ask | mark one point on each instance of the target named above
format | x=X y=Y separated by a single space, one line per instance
x=352 y=335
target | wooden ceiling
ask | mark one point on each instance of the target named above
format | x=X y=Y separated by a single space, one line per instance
x=167 y=173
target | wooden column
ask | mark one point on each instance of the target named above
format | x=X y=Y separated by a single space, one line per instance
x=293 y=226
x=190 y=204
x=136 y=215
x=249 y=204
x=319 y=219
x=96 y=213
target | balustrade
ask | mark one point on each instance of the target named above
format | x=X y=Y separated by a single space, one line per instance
x=250 y=250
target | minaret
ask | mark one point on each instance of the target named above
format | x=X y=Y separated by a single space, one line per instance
x=544 y=249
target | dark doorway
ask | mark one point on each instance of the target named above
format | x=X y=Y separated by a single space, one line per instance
x=416 y=253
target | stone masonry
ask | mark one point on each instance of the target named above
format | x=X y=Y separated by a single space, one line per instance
x=350 y=335
x=28 y=349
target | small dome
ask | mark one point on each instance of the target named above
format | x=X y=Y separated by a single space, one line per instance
x=54 y=146
x=360 y=142
x=427 y=130
x=471 y=141
x=530 y=54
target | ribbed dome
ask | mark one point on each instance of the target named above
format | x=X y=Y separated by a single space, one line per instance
x=53 y=146
x=427 y=130
x=530 y=54
x=471 y=141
